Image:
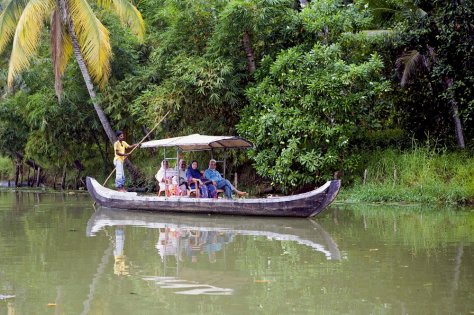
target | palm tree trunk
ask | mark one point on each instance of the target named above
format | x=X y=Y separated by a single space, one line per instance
x=249 y=52
x=18 y=162
x=63 y=178
x=17 y=173
x=85 y=73
x=38 y=177
x=90 y=87
x=457 y=125
x=455 y=112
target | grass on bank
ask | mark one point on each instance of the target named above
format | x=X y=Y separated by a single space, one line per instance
x=421 y=175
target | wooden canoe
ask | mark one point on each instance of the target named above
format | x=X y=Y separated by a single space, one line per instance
x=301 y=205
x=302 y=231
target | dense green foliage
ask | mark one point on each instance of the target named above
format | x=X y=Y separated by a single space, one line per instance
x=310 y=103
x=316 y=88
x=5 y=168
x=303 y=114
x=442 y=34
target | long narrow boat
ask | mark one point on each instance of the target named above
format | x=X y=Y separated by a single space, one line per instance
x=301 y=205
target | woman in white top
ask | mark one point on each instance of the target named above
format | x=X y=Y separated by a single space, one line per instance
x=164 y=177
x=180 y=179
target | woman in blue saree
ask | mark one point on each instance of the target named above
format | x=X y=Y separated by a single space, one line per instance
x=194 y=176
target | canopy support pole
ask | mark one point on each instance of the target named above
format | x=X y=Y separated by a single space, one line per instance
x=225 y=159
x=166 y=181
x=224 y=166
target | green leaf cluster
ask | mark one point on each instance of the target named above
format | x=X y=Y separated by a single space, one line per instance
x=304 y=113
x=310 y=104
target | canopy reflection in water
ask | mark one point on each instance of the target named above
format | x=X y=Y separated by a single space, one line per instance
x=302 y=231
x=186 y=236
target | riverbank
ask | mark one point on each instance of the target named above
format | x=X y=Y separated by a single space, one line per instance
x=422 y=175
x=43 y=189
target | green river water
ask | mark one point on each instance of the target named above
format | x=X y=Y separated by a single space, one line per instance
x=60 y=255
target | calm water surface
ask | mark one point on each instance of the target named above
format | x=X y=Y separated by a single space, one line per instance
x=60 y=256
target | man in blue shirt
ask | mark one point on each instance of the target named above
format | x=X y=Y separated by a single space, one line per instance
x=220 y=182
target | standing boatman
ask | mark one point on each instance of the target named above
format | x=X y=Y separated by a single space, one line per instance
x=119 y=148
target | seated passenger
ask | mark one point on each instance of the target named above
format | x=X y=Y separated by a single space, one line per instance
x=220 y=182
x=206 y=188
x=164 y=177
x=180 y=180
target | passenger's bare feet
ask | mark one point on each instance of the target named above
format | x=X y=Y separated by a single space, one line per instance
x=241 y=193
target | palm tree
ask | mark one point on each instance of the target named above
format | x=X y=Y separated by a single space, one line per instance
x=411 y=63
x=75 y=29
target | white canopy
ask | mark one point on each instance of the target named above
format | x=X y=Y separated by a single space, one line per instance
x=197 y=142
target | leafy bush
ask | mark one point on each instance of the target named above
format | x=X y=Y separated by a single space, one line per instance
x=306 y=110
x=6 y=168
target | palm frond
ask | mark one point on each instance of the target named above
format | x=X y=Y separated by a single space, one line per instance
x=61 y=49
x=409 y=64
x=27 y=35
x=128 y=14
x=93 y=39
x=8 y=20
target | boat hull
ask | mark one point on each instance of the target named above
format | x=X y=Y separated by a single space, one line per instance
x=302 y=205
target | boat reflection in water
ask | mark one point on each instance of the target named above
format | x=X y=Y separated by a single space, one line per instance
x=189 y=238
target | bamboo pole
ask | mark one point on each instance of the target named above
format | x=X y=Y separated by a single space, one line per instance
x=138 y=144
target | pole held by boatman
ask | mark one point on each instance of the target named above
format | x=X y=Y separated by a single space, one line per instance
x=120 y=147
